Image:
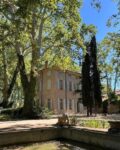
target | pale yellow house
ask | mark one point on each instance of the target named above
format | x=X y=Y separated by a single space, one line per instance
x=57 y=90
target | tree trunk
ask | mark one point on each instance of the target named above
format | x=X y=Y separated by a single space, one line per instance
x=116 y=78
x=29 y=85
x=96 y=110
x=88 y=111
x=28 y=89
x=107 y=81
x=5 y=79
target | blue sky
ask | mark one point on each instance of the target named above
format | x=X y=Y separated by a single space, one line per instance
x=99 y=19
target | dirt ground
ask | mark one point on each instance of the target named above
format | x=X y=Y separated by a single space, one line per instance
x=6 y=126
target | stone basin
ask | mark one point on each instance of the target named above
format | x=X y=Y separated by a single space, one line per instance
x=43 y=134
x=114 y=124
x=114 y=127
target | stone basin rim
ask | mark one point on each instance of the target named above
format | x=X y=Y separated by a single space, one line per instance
x=114 y=121
x=56 y=128
x=50 y=133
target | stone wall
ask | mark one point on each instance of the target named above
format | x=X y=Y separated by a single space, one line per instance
x=103 y=139
x=27 y=136
x=54 y=93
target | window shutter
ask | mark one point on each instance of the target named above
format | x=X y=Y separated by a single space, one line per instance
x=72 y=86
x=80 y=87
x=58 y=85
x=64 y=105
x=68 y=104
x=58 y=104
x=73 y=105
x=68 y=85
x=64 y=84
x=49 y=84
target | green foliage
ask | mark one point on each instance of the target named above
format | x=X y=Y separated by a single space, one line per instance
x=12 y=112
x=8 y=111
x=105 y=107
x=96 y=4
x=36 y=27
x=109 y=60
x=73 y=120
x=94 y=123
x=95 y=71
x=90 y=77
x=114 y=19
x=61 y=61
x=86 y=87
x=43 y=30
x=45 y=113
x=4 y=117
x=112 y=97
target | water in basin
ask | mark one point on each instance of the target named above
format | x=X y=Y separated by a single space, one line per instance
x=54 y=145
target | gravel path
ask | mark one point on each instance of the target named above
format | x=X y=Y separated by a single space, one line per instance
x=26 y=124
x=6 y=126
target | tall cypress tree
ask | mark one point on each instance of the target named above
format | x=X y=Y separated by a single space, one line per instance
x=86 y=84
x=91 y=90
x=95 y=76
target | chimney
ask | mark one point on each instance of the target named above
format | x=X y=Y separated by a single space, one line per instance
x=46 y=64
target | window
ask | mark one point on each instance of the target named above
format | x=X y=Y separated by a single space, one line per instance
x=60 y=74
x=61 y=104
x=49 y=73
x=78 y=86
x=70 y=104
x=70 y=86
x=61 y=84
x=49 y=104
x=49 y=84
x=74 y=86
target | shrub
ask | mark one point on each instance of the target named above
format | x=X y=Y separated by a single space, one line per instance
x=4 y=117
x=13 y=112
x=8 y=111
x=45 y=113
x=73 y=120
x=105 y=106
x=94 y=123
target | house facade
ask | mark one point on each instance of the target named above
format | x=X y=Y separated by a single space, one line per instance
x=57 y=91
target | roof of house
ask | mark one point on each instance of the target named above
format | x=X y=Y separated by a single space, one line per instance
x=62 y=70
